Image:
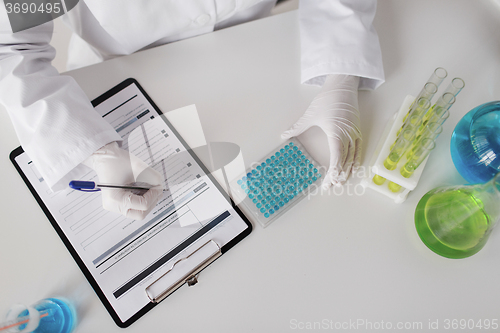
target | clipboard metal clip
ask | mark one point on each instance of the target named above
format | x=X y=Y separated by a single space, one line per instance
x=192 y=280
x=184 y=270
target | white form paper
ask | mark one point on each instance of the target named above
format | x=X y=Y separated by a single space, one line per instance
x=123 y=255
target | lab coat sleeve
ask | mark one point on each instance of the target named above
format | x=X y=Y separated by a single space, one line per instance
x=53 y=118
x=337 y=37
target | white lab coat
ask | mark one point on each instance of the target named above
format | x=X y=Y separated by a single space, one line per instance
x=56 y=123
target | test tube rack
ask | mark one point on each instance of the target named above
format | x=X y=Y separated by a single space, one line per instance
x=382 y=151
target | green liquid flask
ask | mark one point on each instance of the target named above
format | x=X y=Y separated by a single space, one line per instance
x=455 y=222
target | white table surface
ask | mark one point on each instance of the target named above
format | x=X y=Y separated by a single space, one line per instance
x=336 y=258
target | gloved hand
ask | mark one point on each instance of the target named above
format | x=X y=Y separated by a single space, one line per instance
x=335 y=111
x=114 y=165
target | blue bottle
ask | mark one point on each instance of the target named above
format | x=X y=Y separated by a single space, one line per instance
x=475 y=143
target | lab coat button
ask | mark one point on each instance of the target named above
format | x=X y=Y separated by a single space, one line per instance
x=203 y=19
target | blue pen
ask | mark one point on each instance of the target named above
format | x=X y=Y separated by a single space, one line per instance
x=89 y=186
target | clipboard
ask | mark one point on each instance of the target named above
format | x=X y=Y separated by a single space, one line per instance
x=180 y=264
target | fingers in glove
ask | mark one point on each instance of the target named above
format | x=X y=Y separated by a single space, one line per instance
x=128 y=204
x=357 y=155
x=138 y=214
x=346 y=169
x=337 y=157
x=302 y=125
x=330 y=178
x=145 y=201
x=150 y=198
x=141 y=205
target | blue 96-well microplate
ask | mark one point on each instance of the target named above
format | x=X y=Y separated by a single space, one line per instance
x=276 y=183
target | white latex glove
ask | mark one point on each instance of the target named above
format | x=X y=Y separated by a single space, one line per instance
x=114 y=165
x=335 y=111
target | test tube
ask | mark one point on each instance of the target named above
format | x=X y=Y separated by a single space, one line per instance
x=413 y=124
x=416 y=116
x=423 y=105
x=443 y=103
x=417 y=112
x=431 y=86
x=438 y=76
x=456 y=85
x=440 y=116
x=399 y=148
x=419 y=155
x=393 y=187
x=379 y=180
x=428 y=91
x=430 y=131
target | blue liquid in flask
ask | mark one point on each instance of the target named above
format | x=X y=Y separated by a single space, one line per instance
x=475 y=143
x=61 y=318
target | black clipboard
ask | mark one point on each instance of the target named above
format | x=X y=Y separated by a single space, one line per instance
x=191 y=279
